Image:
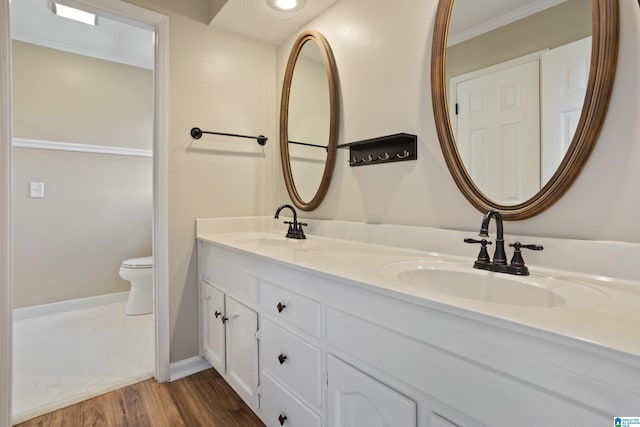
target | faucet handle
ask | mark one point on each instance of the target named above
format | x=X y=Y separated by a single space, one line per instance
x=516 y=266
x=483 y=257
x=483 y=242
x=533 y=247
x=290 y=232
x=301 y=231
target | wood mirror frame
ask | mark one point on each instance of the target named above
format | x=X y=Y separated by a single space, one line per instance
x=330 y=67
x=604 y=53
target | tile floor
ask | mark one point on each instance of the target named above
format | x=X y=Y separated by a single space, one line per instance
x=64 y=358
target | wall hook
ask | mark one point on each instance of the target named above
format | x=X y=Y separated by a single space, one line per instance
x=404 y=155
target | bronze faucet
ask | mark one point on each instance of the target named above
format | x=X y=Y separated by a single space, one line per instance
x=295 y=230
x=499 y=262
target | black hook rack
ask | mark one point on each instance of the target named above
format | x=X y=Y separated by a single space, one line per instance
x=196 y=133
x=384 y=149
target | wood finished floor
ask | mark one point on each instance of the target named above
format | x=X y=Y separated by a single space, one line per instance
x=203 y=399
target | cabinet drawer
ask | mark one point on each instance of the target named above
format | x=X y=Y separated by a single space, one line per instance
x=281 y=408
x=290 y=307
x=294 y=362
x=228 y=278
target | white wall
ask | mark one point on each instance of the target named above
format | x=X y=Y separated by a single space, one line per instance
x=225 y=83
x=218 y=81
x=383 y=51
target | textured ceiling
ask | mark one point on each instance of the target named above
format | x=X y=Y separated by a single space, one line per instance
x=255 y=19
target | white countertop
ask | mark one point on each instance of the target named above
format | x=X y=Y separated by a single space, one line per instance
x=607 y=318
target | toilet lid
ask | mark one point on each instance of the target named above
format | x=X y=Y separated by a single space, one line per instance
x=144 y=262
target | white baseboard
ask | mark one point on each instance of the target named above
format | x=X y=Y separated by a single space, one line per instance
x=187 y=367
x=63 y=306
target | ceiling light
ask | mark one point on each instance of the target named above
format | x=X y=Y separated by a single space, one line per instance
x=286 y=5
x=73 y=13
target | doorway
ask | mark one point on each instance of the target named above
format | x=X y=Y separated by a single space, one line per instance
x=157 y=24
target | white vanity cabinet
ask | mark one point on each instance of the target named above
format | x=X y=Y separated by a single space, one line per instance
x=336 y=352
x=290 y=358
x=229 y=326
x=229 y=341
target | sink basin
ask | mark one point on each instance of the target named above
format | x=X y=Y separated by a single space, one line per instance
x=462 y=281
x=267 y=239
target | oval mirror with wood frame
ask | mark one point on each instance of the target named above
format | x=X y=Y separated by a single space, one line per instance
x=309 y=120
x=517 y=122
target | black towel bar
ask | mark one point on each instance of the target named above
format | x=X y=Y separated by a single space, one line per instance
x=196 y=133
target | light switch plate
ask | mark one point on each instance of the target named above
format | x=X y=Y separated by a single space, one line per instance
x=36 y=190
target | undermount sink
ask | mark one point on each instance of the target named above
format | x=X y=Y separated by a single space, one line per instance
x=267 y=239
x=462 y=281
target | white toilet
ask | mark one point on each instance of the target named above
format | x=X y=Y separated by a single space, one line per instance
x=139 y=271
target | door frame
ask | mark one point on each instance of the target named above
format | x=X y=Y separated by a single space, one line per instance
x=137 y=16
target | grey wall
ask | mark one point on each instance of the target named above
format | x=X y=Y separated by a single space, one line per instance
x=97 y=209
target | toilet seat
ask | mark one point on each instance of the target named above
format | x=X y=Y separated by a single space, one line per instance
x=144 y=262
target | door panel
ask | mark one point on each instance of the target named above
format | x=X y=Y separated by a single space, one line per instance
x=242 y=350
x=358 y=400
x=498 y=132
x=564 y=72
x=213 y=330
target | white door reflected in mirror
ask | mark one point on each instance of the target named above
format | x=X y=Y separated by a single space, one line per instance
x=514 y=105
x=513 y=122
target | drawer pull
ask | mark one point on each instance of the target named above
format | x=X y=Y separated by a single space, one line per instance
x=282 y=419
x=280 y=307
x=224 y=319
x=281 y=358
x=217 y=314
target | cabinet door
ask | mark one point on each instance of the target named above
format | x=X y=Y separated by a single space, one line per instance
x=438 y=421
x=357 y=400
x=242 y=350
x=213 y=330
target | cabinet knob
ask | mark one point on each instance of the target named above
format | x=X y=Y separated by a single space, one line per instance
x=282 y=419
x=280 y=307
x=217 y=313
x=281 y=358
x=224 y=319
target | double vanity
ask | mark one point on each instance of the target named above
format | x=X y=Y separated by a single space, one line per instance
x=361 y=325
x=383 y=325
